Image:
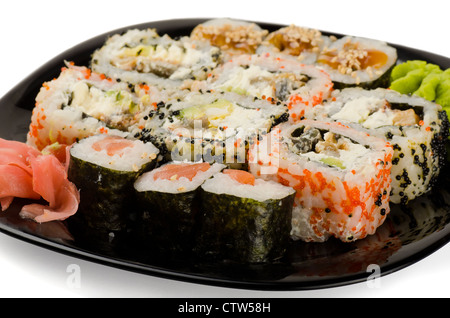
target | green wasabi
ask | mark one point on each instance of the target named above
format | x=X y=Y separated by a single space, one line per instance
x=422 y=79
x=443 y=91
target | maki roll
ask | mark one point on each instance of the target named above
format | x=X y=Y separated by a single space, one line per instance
x=211 y=126
x=416 y=128
x=55 y=119
x=244 y=219
x=233 y=37
x=354 y=61
x=299 y=86
x=143 y=56
x=341 y=177
x=168 y=198
x=81 y=103
x=104 y=169
x=296 y=42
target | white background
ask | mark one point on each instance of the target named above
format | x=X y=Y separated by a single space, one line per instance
x=33 y=32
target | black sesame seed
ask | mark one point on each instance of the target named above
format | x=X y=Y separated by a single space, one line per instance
x=424 y=147
x=396 y=147
x=404 y=200
x=378 y=202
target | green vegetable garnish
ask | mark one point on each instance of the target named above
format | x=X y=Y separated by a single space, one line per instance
x=334 y=162
x=423 y=79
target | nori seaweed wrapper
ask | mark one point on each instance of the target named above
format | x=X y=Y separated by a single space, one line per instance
x=243 y=229
x=167 y=221
x=107 y=197
x=382 y=81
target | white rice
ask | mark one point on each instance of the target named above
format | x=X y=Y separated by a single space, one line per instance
x=130 y=160
x=262 y=190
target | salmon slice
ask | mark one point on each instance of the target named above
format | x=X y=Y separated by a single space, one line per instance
x=113 y=145
x=176 y=171
x=51 y=182
x=240 y=176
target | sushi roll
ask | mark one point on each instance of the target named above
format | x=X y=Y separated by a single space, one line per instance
x=296 y=42
x=341 y=177
x=355 y=61
x=104 y=169
x=81 y=103
x=416 y=128
x=210 y=126
x=168 y=198
x=244 y=219
x=233 y=37
x=282 y=80
x=143 y=56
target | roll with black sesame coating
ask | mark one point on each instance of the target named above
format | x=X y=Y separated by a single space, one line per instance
x=416 y=128
x=211 y=126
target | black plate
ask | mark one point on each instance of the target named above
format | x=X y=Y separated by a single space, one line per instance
x=409 y=234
